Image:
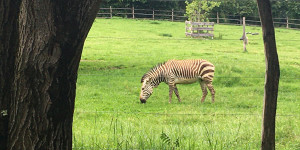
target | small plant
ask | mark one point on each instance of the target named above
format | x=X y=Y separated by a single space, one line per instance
x=165 y=35
x=167 y=140
x=220 y=37
x=154 y=22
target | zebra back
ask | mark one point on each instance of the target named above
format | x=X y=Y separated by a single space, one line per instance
x=198 y=68
x=192 y=69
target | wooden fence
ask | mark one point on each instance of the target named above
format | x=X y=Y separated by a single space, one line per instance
x=178 y=15
x=199 y=29
x=133 y=13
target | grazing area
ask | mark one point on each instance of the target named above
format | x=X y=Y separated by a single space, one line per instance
x=118 y=52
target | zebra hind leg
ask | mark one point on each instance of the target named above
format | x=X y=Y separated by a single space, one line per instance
x=212 y=91
x=177 y=93
x=204 y=90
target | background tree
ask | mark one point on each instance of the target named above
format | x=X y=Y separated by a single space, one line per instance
x=40 y=48
x=236 y=9
x=198 y=10
x=294 y=9
x=232 y=9
x=146 y=4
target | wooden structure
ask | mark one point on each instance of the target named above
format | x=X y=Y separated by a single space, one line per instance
x=199 y=29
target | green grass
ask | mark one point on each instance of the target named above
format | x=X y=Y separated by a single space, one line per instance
x=117 y=52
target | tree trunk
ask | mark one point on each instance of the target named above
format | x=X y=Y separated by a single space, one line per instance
x=272 y=76
x=9 y=42
x=41 y=44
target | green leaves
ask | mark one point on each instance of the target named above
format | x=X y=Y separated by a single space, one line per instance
x=198 y=10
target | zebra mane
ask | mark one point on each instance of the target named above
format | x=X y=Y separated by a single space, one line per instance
x=153 y=69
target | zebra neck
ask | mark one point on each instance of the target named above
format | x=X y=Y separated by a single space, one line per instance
x=159 y=78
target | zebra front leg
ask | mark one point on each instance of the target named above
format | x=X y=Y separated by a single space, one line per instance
x=204 y=90
x=171 y=89
x=212 y=91
x=177 y=93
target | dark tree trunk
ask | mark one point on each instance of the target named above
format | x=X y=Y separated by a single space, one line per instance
x=272 y=76
x=9 y=42
x=40 y=45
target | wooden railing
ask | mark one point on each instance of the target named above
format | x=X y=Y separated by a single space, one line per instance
x=179 y=15
x=199 y=29
x=153 y=14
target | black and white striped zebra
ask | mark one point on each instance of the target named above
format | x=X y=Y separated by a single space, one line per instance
x=175 y=72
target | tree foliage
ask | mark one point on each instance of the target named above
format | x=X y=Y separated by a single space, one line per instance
x=198 y=10
x=286 y=8
x=237 y=8
x=243 y=8
x=145 y=4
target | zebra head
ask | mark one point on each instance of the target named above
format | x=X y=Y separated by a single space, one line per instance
x=146 y=89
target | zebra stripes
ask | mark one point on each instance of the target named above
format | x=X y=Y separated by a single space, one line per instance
x=175 y=72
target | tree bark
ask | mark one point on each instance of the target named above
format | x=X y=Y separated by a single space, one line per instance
x=271 y=77
x=9 y=43
x=40 y=52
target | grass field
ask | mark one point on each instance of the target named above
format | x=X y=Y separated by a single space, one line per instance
x=117 y=52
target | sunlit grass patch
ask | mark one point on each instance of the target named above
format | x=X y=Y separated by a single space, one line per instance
x=117 y=52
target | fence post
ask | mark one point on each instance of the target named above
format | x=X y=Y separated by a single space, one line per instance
x=153 y=14
x=245 y=38
x=287 y=22
x=132 y=12
x=217 y=17
x=110 y=10
x=172 y=15
x=241 y=21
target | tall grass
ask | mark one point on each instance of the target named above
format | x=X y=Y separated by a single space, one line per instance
x=117 y=52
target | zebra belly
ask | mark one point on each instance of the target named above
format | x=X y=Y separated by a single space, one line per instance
x=185 y=80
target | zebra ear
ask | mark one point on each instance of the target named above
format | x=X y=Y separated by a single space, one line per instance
x=148 y=80
x=143 y=78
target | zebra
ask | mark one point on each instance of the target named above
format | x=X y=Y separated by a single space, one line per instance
x=174 y=72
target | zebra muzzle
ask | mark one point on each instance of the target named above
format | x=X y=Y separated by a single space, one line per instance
x=143 y=100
